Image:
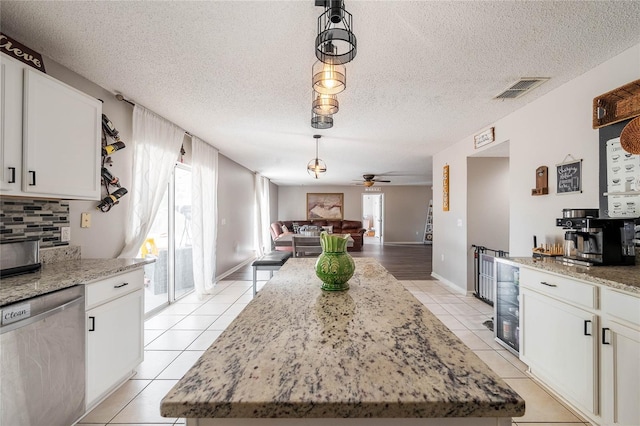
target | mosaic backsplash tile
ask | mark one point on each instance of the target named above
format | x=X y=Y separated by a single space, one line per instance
x=21 y=218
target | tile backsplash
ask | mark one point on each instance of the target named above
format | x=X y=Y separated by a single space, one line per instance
x=22 y=218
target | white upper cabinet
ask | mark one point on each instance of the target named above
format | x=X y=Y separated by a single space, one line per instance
x=11 y=79
x=56 y=130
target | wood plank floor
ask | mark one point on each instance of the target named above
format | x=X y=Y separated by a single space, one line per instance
x=403 y=261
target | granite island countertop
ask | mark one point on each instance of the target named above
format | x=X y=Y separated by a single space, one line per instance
x=626 y=278
x=63 y=274
x=373 y=351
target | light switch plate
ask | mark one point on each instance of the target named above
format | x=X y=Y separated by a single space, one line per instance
x=85 y=220
x=65 y=233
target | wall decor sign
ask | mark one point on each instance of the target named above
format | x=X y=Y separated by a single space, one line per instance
x=484 y=138
x=325 y=205
x=21 y=52
x=542 y=181
x=569 y=176
x=445 y=188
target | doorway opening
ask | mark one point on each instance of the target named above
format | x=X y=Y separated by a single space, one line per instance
x=373 y=218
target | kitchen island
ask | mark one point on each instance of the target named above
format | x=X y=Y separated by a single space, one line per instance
x=299 y=355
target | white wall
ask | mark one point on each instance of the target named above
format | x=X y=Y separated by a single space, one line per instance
x=236 y=220
x=541 y=133
x=488 y=205
x=405 y=207
x=105 y=237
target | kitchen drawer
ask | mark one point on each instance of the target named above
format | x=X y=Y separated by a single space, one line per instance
x=562 y=288
x=113 y=287
x=621 y=305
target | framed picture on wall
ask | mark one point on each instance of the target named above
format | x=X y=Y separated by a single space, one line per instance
x=325 y=205
x=445 y=188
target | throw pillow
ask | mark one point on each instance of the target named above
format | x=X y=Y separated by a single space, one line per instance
x=329 y=229
x=284 y=228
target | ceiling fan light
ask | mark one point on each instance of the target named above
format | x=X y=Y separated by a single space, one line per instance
x=368 y=183
x=325 y=104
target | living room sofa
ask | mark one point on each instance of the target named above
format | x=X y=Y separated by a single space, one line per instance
x=353 y=227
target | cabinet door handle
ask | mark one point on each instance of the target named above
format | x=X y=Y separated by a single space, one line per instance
x=604 y=336
x=547 y=284
x=587 y=323
x=121 y=285
x=33 y=177
x=12 y=179
x=93 y=324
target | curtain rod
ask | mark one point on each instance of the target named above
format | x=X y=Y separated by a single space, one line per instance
x=123 y=99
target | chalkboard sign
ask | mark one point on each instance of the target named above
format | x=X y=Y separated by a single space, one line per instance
x=569 y=177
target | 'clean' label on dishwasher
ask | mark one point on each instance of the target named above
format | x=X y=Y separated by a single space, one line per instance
x=16 y=313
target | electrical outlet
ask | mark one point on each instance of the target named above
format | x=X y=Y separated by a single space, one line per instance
x=85 y=220
x=65 y=234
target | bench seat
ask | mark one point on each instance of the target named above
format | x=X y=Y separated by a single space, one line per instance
x=269 y=262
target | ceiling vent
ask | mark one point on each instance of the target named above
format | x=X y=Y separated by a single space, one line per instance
x=520 y=87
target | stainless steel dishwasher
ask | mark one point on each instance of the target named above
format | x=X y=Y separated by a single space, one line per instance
x=42 y=360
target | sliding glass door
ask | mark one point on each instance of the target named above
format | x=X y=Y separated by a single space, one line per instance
x=169 y=243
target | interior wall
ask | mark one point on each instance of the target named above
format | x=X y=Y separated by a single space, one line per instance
x=236 y=200
x=543 y=132
x=405 y=207
x=105 y=237
x=488 y=206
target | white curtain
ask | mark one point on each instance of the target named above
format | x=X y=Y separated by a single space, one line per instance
x=262 y=234
x=156 y=145
x=204 y=214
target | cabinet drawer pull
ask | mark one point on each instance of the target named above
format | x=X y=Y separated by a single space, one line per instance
x=33 y=178
x=93 y=324
x=604 y=336
x=547 y=284
x=12 y=179
x=587 y=323
x=121 y=285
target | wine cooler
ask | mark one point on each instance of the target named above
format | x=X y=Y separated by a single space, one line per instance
x=506 y=314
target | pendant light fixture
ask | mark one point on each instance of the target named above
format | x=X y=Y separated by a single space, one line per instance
x=321 y=121
x=335 y=28
x=328 y=78
x=324 y=104
x=316 y=167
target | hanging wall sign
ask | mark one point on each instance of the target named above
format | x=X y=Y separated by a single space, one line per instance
x=21 y=52
x=445 y=188
x=569 y=176
x=484 y=138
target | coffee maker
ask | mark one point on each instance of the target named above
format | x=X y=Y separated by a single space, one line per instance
x=594 y=241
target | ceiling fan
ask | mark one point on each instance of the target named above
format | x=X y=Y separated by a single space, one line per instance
x=370 y=180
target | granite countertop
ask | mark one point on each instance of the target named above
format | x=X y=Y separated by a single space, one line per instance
x=625 y=278
x=373 y=351
x=59 y=275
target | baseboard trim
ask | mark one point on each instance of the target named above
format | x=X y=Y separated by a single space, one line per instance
x=449 y=284
x=234 y=269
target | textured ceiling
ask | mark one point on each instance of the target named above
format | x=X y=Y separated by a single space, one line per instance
x=238 y=73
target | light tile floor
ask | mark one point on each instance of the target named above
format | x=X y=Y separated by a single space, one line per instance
x=175 y=339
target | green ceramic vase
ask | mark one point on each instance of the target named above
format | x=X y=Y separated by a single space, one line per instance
x=334 y=266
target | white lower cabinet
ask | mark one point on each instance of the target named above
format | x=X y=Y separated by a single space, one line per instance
x=588 y=354
x=620 y=352
x=115 y=321
x=560 y=348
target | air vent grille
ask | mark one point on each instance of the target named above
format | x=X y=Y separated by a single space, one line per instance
x=520 y=87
